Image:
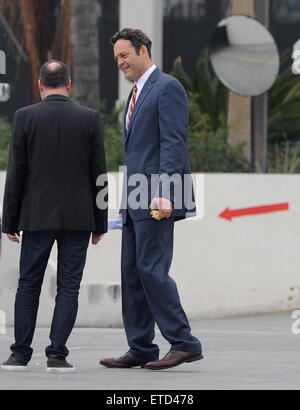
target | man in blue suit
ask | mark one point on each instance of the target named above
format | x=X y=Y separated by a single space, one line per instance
x=155 y=130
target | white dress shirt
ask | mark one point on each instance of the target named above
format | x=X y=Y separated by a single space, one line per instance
x=140 y=84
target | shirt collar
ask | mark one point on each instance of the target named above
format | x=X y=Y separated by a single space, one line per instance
x=52 y=97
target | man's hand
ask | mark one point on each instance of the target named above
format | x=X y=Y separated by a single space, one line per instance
x=14 y=237
x=96 y=238
x=163 y=205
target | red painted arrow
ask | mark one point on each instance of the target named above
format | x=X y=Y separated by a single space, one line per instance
x=228 y=214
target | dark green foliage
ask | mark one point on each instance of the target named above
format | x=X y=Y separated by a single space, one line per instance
x=4 y=142
x=112 y=132
x=284 y=103
x=208 y=130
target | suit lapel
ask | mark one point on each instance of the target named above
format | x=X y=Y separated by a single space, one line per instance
x=145 y=91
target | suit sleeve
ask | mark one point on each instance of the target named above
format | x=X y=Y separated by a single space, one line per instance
x=99 y=178
x=173 y=126
x=15 y=177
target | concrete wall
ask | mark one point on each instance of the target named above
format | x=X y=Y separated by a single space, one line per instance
x=246 y=266
x=146 y=15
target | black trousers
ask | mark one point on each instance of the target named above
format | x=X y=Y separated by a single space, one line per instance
x=36 y=247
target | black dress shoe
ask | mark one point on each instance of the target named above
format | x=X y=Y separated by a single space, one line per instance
x=174 y=358
x=124 y=362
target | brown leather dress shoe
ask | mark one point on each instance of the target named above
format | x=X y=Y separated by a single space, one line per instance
x=124 y=362
x=174 y=358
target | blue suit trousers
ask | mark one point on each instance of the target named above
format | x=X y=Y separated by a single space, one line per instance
x=149 y=294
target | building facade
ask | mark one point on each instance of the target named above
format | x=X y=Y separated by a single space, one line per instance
x=177 y=28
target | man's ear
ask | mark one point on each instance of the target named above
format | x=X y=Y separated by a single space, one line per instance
x=69 y=86
x=40 y=85
x=144 y=51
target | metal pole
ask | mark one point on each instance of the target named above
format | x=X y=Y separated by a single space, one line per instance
x=259 y=107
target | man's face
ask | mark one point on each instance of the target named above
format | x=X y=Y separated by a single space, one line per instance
x=130 y=63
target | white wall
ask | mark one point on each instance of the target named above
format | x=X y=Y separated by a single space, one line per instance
x=146 y=15
x=248 y=265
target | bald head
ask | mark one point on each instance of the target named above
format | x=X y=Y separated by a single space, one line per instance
x=54 y=78
x=54 y=74
x=54 y=66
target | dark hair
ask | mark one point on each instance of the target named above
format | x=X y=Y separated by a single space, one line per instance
x=54 y=77
x=137 y=38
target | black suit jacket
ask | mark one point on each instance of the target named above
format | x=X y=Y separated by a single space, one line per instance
x=56 y=155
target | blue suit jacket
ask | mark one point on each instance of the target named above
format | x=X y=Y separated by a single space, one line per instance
x=156 y=144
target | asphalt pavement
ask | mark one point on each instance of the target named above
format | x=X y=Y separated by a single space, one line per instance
x=252 y=353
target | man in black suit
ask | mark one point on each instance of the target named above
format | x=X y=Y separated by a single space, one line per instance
x=56 y=155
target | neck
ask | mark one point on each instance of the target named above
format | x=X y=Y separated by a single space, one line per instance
x=52 y=91
x=146 y=68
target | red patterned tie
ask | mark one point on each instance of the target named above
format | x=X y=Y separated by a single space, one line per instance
x=133 y=100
